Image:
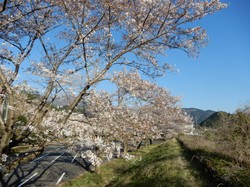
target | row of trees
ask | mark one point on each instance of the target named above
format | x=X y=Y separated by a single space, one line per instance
x=55 y=42
x=137 y=111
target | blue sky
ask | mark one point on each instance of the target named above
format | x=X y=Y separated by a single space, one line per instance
x=219 y=79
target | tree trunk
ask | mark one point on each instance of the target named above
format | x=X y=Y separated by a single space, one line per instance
x=7 y=131
x=139 y=145
x=97 y=169
x=118 y=149
x=6 y=137
x=150 y=141
x=146 y=142
x=75 y=103
x=125 y=149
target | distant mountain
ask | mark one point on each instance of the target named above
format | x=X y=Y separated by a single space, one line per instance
x=216 y=119
x=198 y=114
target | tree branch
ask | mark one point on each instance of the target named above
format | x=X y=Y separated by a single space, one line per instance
x=4 y=6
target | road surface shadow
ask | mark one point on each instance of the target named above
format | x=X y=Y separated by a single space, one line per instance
x=45 y=171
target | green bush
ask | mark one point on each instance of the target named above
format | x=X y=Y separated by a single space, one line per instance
x=21 y=120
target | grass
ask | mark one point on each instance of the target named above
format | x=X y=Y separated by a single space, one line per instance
x=221 y=165
x=155 y=165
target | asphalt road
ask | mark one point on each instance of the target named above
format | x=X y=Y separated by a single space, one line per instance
x=56 y=164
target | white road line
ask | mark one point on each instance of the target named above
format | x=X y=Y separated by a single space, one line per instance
x=6 y=174
x=27 y=180
x=57 y=157
x=41 y=157
x=73 y=158
x=59 y=180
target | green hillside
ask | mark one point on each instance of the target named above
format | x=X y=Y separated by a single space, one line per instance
x=217 y=119
x=198 y=114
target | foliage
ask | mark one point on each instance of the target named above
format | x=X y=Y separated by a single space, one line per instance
x=32 y=96
x=216 y=161
x=216 y=119
x=232 y=133
x=225 y=146
x=22 y=120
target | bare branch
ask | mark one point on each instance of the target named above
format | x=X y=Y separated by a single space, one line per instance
x=3 y=6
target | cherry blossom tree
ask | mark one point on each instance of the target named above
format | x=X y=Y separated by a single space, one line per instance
x=153 y=109
x=18 y=33
x=84 y=40
x=138 y=110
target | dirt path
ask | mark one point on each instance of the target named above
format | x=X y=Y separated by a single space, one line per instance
x=180 y=171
